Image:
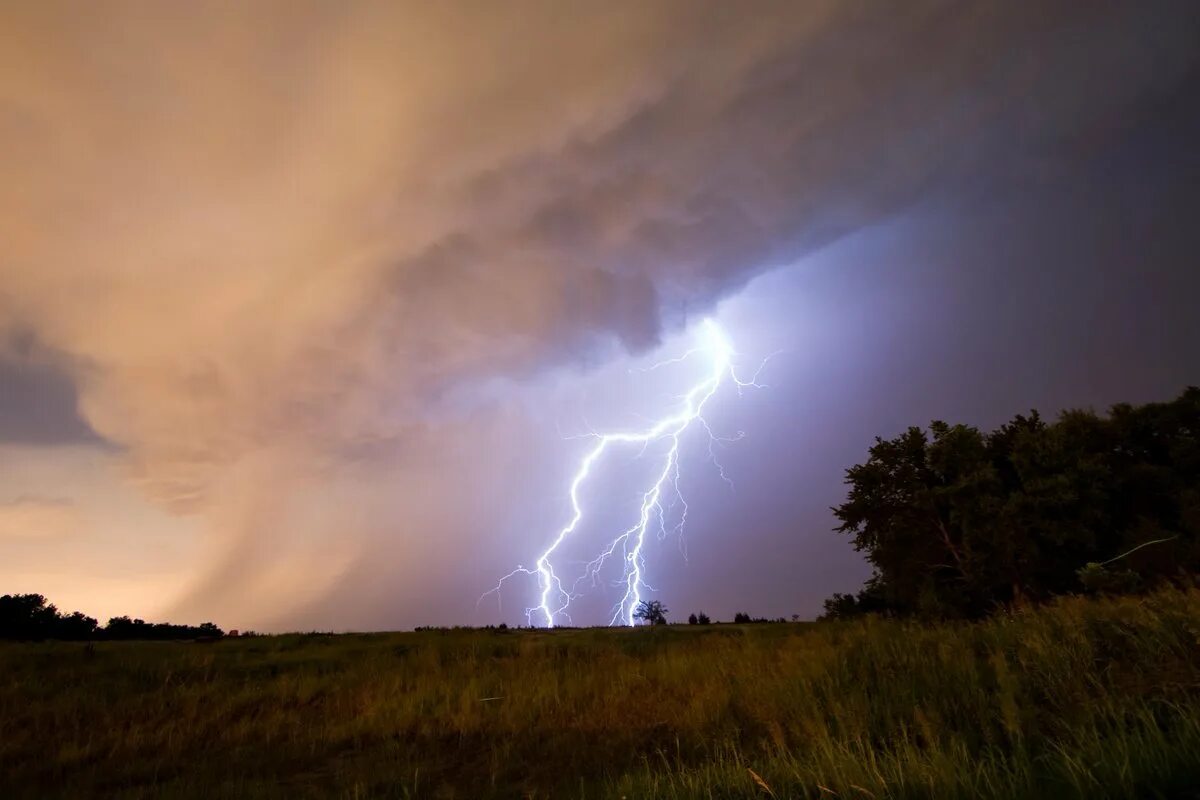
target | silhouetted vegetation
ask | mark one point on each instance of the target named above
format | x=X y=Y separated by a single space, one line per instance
x=742 y=618
x=28 y=617
x=699 y=619
x=124 y=628
x=958 y=523
x=651 y=611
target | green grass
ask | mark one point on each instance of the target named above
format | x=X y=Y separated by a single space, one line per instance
x=1087 y=698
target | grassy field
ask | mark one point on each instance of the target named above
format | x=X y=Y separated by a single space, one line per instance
x=1087 y=698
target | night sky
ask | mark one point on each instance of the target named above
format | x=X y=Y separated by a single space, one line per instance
x=306 y=310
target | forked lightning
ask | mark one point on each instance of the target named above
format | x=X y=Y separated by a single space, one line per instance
x=554 y=598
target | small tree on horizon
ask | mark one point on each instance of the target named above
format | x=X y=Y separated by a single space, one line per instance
x=692 y=620
x=651 y=611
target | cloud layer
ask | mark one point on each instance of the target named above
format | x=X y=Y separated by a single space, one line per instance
x=268 y=244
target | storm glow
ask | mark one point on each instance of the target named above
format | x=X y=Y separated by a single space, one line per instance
x=553 y=597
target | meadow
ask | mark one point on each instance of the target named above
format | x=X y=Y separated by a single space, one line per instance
x=1083 y=698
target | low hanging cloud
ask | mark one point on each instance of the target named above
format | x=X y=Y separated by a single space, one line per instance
x=266 y=242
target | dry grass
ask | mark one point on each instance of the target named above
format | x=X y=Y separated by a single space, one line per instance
x=1083 y=699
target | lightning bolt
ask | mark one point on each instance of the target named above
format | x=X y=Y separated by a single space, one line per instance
x=554 y=598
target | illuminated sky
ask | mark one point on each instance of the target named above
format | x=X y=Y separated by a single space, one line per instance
x=301 y=304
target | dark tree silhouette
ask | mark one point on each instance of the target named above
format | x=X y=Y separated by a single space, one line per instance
x=957 y=522
x=76 y=627
x=651 y=611
x=29 y=617
x=692 y=619
x=126 y=628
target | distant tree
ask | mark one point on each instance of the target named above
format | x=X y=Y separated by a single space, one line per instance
x=124 y=628
x=27 y=616
x=651 y=611
x=119 y=628
x=30 y=617
x=703 y=619
x=741 y=617
x=692 y=619
x=76 y=627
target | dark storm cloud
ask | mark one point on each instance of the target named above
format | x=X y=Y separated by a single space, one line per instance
x=713 y=181
x=38 y=402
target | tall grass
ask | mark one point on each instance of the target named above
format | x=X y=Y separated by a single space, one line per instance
x=1086 y=698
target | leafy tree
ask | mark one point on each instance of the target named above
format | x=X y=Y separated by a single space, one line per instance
x=839 y=606
x=76 y=627
x=27 y=616
x=741 y=617
x=120 y=628
x=692 y=619
x=703 y=619
x=957 y=522
x=30 y=617
x=651 y=611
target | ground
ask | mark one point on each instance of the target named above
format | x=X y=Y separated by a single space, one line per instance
x=1086 y=698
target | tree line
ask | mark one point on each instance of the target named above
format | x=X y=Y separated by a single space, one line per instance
x=653 y=612
x=28 y=617
x=957 y=522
